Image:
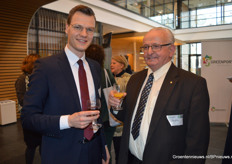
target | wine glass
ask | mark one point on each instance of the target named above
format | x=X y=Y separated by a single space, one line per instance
x=119 y=93
x=94 y=105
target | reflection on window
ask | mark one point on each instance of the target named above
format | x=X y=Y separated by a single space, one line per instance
x=184 y=56
x=198 y=48
x=191 y=57
x=193 y=49
x=167 y=20
x=228 y=14
x=207 y=16
x=46 y=35
x=194 y=13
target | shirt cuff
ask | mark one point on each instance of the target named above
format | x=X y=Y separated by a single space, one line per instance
x=115 y=111
x=64 y=122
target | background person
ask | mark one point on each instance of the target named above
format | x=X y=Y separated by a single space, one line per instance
x=228 y=144
x=31 y=138
x=97 y=53
x=118 y=67
x=56 y=102
x=166 y=108
x=129 y=70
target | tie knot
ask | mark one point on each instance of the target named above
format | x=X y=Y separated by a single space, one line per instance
x=80 y=62
x=151 y=76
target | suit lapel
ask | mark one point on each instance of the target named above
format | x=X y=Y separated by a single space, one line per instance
x=68 y=76
x=134 y=97
x=95 y=76
x=164 y=94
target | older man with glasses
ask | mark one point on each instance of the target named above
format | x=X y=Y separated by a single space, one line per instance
x=165 y=109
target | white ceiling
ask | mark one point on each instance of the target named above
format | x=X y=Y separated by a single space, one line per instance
x=117 y=20
x=114 y=29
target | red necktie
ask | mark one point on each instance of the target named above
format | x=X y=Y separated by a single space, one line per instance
x=88 y=131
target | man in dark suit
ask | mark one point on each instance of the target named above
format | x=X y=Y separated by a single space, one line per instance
x=54 y=103
x=165 y=109
x=228 y=144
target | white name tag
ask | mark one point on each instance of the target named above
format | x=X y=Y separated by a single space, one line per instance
x=175 y=120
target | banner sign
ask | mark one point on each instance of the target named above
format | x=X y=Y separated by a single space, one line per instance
x=217 y=68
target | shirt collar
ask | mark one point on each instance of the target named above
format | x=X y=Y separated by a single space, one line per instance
x=72 y=58
x=160 y=72
x=120 y=74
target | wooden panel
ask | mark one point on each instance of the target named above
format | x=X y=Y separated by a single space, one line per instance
x=124 y=44
x=14 y=21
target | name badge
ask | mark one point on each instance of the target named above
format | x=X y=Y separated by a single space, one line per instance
x=175 y=120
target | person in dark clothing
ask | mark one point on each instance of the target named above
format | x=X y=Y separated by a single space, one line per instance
x=165 y=109
x=96 y=52
x=228 y=144
x=128 y=69
x=31 y=138
x=55 y=104
x=118 y=66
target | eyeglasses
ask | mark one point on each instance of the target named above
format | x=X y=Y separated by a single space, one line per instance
x=79 y=28
x=154 y=47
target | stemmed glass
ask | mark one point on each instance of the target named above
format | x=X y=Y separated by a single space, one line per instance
x=119 y=92
x=94 y=105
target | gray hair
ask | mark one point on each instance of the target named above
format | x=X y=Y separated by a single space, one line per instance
x=171 y=37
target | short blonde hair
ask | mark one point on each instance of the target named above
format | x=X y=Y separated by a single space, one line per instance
x=121 y=59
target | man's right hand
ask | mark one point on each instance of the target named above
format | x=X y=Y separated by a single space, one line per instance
x=82 y=119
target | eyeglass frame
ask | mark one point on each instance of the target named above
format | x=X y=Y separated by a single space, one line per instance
x=80 y=28
x=159 y=47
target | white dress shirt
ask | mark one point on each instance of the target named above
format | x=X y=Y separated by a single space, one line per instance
x=72 y=58
x=137 y=146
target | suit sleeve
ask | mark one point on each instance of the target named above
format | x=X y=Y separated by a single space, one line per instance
x=197 y=137
x=33 y=115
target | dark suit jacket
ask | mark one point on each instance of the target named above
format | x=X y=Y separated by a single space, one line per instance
x=52 y=93
x=228 y=144
x=31 y=138
x=181 y=93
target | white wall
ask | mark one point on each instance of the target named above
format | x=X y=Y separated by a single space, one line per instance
x=204 y=33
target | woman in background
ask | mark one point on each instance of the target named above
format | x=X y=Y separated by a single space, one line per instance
x=97 y=53
x=118 y=67
x=32 y=139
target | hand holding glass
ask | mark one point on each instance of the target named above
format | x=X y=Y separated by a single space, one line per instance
x=119 y=93
x=94 y=105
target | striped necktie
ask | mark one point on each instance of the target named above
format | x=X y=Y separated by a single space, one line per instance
x=142 y=103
